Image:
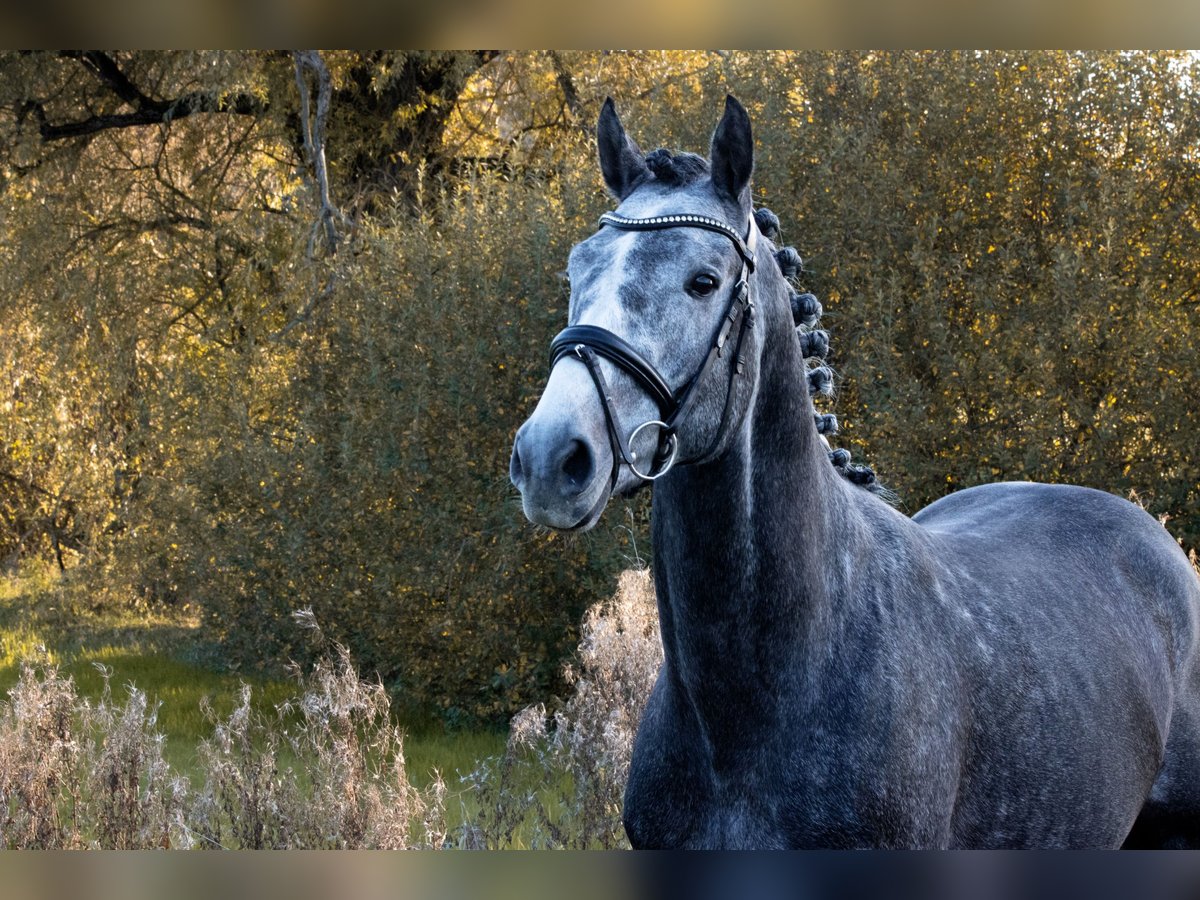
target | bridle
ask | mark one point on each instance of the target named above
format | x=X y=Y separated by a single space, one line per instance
x=588 y=342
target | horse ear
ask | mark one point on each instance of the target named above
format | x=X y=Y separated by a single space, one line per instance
x=621 y=161
x=732 y=153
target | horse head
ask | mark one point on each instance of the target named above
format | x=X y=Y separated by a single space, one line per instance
x=659 y=356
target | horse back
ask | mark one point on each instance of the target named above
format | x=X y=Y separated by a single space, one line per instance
x=1075 y=617
x=1063 y=560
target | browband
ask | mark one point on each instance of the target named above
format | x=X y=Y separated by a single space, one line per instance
x=689 y=220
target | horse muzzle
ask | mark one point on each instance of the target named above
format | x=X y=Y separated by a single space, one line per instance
x=562 y=474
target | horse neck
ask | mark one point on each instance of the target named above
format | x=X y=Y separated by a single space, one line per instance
x=751 y=551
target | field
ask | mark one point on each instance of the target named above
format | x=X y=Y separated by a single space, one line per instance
x=120 y=729
x=45 y=618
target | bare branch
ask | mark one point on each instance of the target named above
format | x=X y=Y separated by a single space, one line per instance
x=566 y=83
x=147 y=110
x=328 y=216
x=313 y=129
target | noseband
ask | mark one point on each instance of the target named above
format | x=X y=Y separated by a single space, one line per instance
x=588 y=342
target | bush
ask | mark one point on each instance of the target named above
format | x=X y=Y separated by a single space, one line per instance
x=366 y=478
x=353 y=791
x=77 y=775
x=327 y=770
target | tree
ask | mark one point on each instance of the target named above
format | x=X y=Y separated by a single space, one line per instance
x=268 y=321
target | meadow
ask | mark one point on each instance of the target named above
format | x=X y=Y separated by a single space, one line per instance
x=46 y=617
x=120 y=731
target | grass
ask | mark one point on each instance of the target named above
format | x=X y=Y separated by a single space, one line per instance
x=327 y=774
x=44 y=615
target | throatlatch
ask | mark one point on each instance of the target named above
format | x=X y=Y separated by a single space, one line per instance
x=587 y=342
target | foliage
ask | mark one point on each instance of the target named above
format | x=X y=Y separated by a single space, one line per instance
x=1008 y=243
x=202 y=407
x=370 y=483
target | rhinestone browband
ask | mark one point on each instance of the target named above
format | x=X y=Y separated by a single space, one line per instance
x=690 y=220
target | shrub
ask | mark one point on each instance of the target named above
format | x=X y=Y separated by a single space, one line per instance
x=370 y=483
x=40 y=793
x=353 y=791
x=73 y=774
x=134 y=800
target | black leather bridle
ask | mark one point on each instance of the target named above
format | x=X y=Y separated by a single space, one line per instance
x=588 y=342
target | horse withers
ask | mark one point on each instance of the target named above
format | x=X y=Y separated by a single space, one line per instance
x=1013 y=666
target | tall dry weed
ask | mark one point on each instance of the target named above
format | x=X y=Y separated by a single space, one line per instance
x=326 y=770
x=353 y=791
x=561 y=783
x=40 y=750
x=75 y=774
x=134 y=801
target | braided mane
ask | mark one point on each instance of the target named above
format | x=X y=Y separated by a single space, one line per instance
x=676 y=169
x=680 y=169
x=814 y=344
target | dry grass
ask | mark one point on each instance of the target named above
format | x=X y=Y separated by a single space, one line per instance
x=561 y=779
x=325 y=769
x=354 y=791
x=75 y=774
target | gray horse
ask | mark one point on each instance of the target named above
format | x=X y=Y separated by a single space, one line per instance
x=1014 y=666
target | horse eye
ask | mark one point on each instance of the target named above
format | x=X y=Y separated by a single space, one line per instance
x=702 y=286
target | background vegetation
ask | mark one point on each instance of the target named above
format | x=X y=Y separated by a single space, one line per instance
x=268 y=321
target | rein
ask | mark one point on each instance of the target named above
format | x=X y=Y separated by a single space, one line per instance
x=588 y=342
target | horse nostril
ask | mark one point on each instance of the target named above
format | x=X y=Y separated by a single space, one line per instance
x=577 y=465
x=516 y=473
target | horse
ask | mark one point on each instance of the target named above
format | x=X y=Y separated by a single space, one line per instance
x=1013 y=666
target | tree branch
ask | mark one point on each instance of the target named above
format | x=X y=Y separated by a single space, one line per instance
x=313 y=129
x=105 y=68
x=566 y=83
x=147 y=110
x=28 y=485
